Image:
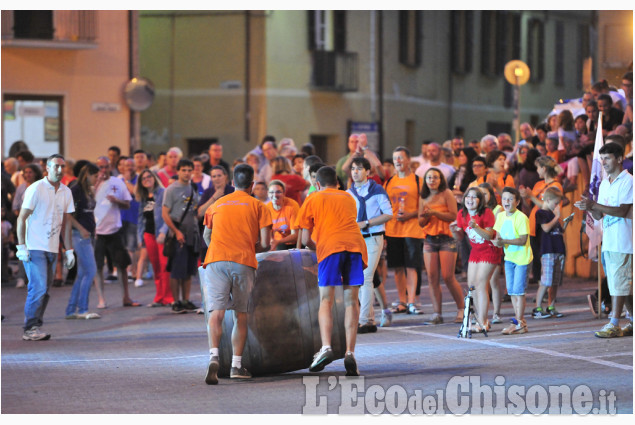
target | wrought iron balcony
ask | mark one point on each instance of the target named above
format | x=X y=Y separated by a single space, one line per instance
x=334 y=71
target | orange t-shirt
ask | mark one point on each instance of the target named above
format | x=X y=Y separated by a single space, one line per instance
x=436 y=226
x=332 y=215
x=235 y=220
x=538 y=191
x=405 y=188
x=557 y=156
x=283 y=220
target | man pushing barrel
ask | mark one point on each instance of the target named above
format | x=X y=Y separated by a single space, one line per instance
x=328 y=220
x=233 y=226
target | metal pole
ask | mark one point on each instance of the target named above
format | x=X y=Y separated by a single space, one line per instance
x=517 y=110
x=247 y=79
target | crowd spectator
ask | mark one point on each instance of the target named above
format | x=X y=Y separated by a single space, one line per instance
x=179 y=213
x=437 y=209
x=151 y=233
x=83 y=234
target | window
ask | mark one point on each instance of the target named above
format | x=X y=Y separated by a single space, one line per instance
x=37 y=120
x=410 y=38
x=327 y=30
x=536 y=50
x=462 y=30
x=559 y=52
x=583 y=53
x=500 y=41
x=334 y=69
x=33 y=24
x=320 y=142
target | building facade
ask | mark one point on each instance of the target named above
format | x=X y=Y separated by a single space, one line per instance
x=63 y=74
x=235 y=76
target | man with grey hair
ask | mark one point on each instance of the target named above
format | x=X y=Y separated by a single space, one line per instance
x=489 y=143
x=434 y=157
x=44 y=217
x=172 y=158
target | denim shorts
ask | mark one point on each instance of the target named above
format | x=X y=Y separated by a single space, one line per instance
x=439 y=243
x=183 y=264
x=516 y=277
x=129 y=234
x=341 y=268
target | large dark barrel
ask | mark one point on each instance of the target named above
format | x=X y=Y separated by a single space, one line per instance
x=283 y=308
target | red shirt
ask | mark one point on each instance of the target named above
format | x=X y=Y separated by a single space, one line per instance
x=483 y=251
x=295 y=185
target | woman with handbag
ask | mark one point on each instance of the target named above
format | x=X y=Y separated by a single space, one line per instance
x=151 y=232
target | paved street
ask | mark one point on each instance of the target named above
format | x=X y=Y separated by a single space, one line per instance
x=147 y=360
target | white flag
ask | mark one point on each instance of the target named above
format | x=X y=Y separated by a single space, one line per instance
x=593 y=226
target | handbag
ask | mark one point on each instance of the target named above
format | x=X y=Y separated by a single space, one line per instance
x=169 y=246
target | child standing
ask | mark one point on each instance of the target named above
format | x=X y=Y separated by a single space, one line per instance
x=551 y=252
x=476 y=221
x=513 y=235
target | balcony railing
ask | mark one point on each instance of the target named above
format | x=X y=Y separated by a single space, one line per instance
x=334 y=71
x=57 y=29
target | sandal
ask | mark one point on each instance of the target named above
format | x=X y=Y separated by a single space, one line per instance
x=414 y=310
x=400 y=308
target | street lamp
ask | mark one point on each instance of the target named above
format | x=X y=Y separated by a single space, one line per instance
x=516 y=74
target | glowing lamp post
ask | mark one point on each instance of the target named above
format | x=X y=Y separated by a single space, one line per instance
x=517 y=74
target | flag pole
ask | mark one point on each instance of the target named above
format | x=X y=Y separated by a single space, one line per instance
x=599 y=281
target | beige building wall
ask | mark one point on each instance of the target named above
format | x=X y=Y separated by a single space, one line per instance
x=83 y=77
x=615 y=44
x=190 y=55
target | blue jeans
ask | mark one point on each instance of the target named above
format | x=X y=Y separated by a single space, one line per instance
x=516 y=277
x=86 y=269
x=40 y=270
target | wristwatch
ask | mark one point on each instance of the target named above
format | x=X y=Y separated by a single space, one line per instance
x=367 y=224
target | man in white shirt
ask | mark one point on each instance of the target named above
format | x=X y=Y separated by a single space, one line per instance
x=434 y=156
x=614 y=208
x=373 y=211
x=111 y=195
x=44 y=216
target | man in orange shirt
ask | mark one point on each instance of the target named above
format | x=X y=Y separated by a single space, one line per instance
x=404 y=236
x=284 y=211
x=328 y=219
x=230 y=265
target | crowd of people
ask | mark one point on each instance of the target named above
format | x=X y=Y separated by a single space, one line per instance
x=477 y=210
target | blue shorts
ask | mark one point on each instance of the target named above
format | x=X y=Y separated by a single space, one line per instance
x=516 y=277
x=341 y=268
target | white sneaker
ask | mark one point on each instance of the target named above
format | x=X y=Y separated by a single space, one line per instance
x=138 y=283
x=20 y=283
